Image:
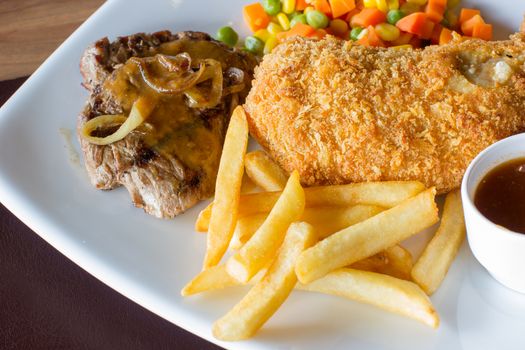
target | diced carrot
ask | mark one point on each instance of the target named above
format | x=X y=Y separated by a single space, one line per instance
x=352 y=13
x=319 y=34
x=467 y=14
x=467 y=27
x=368 y=17
x=404 y=38
x=301 y=5
x=482 y=31
x=371 y=39
x=428 y=29
x=323 y=6
x=299 y=29
x=445 y=36
x=416 y=23
x=435 y=10
x=436 y=33
x=255 y=16
x=341 y=7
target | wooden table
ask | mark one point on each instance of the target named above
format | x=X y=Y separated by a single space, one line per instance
x=46 y=301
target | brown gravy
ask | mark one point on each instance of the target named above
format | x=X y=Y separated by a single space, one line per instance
x=500 y=195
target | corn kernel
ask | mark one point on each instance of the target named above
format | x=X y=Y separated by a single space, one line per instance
x=339 y=27
x=288 y=6
x=406 y=46
x=387 y=32
x=369 y=3
x=270 y=44
x=382 y=5
x=274 y=28
x=417 y=2
x=393 y=4
x=283 y=21
x=308 y=9
x=262 y=34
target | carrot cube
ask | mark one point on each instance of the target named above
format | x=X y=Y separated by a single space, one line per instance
x=341 y=7
x=255 y=16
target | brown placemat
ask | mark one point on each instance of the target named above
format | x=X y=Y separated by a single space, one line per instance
x=48 y=302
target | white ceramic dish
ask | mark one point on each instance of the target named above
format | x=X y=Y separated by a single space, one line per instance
x=149 y=260
x=499 y=250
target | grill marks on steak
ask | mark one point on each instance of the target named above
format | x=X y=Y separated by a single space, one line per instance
x=164 y=181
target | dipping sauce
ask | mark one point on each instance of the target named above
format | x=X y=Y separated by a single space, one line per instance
x=500 y=195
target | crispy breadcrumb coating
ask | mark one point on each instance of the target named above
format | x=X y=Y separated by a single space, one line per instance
x=340 y=113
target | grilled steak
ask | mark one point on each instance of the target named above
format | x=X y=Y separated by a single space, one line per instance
x=170 y=162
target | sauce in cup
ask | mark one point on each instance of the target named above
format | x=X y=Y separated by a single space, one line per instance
x=500 y=195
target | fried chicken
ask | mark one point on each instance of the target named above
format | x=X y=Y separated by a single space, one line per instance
x=340 y=113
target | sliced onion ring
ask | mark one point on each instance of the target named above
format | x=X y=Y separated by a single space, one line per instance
x=195 y=97
x=140 y=110
x=183 y=79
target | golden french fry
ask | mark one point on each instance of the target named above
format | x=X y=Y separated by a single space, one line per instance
x=401 y=262
x=432 y=266
x=325 y=220
x=203 y=219
x=264 y=171
x=227 y=188
x=385 y=194
x=368 y=237
x=216 y=277
x=267 y=296
x=248 y=186
x=265 y=242
x=395 y=261
x=386 y=292
x=245 y=228
x=328 y=220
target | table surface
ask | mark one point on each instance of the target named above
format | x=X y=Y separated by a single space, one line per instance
x=47 y=301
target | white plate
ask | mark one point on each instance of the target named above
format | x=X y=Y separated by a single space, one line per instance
x=149 y=260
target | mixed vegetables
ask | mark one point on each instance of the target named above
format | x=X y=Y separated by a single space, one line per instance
x=381 y=23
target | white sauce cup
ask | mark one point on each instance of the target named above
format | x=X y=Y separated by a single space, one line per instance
x=499 y=250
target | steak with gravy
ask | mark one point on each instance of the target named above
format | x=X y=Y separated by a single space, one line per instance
x=170 y=161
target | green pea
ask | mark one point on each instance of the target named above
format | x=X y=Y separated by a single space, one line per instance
x=317 y=19
x=228 y=36
x=272 y=7
x=298 y=19
x=394 y=15
x=254 y=45
x=354 y=33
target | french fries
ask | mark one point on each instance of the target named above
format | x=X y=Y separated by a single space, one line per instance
x=386 y=292
x=385 y=194
x=265 y=242
x=395 y=261
x=368 y=237
x=264 y=172
x=227 y=189
x=359 y=227
x=266 y=296
x=325 y=220
x=432 y=266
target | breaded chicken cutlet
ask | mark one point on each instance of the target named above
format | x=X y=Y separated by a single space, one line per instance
x=340 y=113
